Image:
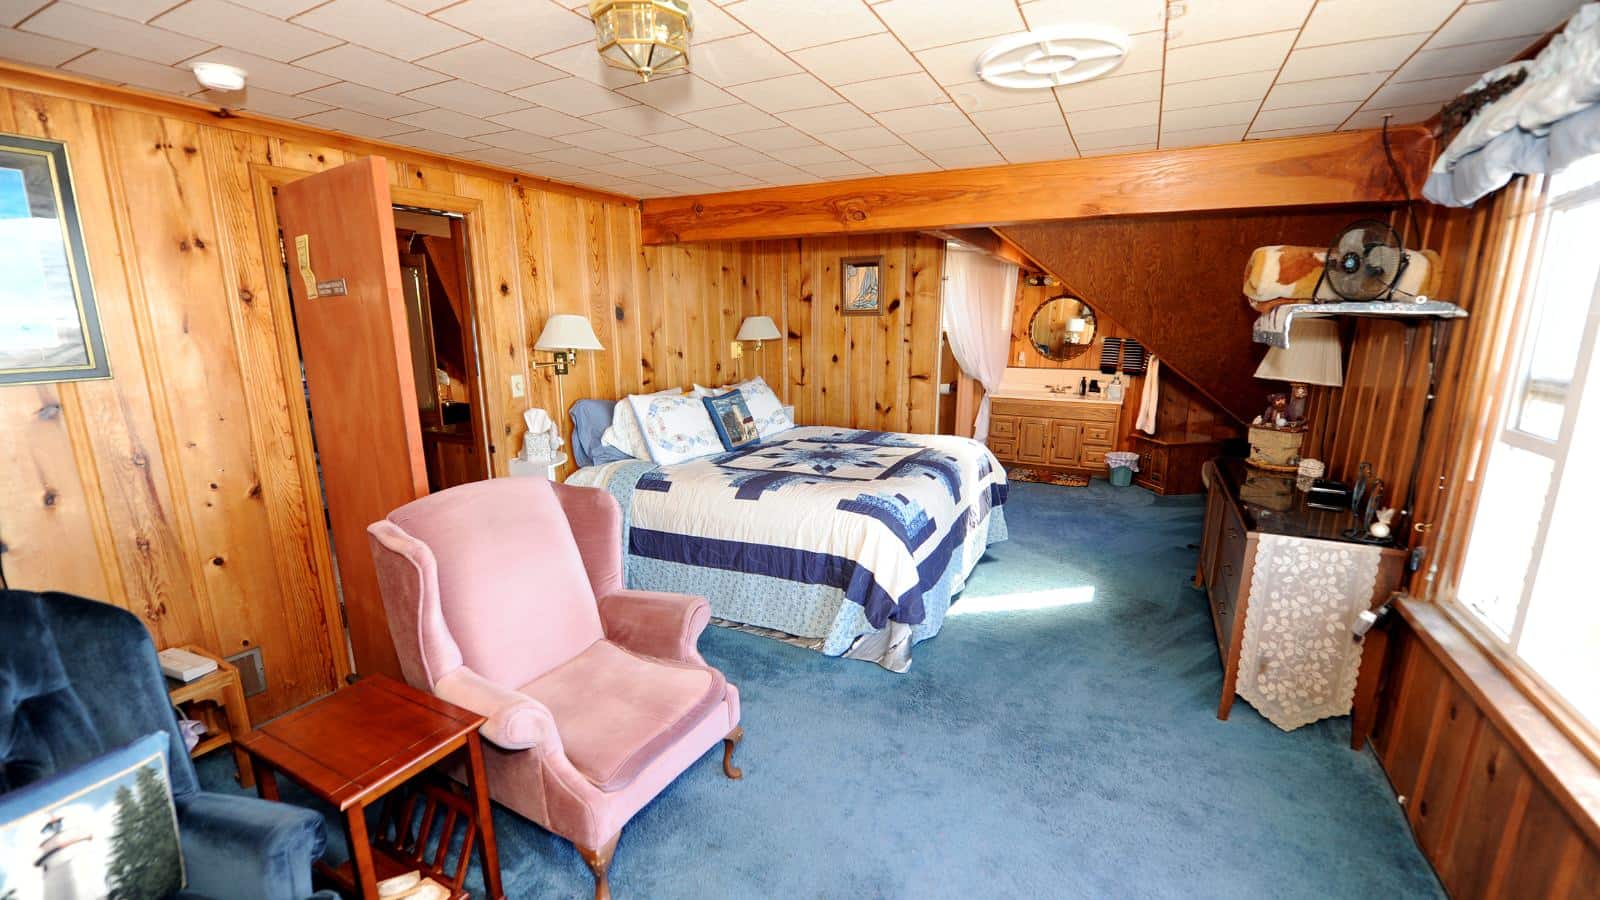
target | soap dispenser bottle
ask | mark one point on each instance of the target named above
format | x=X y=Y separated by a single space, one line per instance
x=1083 y=386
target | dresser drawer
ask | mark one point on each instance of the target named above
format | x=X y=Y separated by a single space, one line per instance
x=1097 y=434
x=1093 y=456
x=1003 y=426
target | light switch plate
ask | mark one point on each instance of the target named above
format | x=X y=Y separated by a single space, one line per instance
x=736 y=350
x=519 y=386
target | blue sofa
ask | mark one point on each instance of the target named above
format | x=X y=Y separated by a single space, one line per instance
x=79 y=678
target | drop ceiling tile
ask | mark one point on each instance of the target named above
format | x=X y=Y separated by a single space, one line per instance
x=781 y=138
x=603 y=140
x=792 y=25
x=1413 y=93
x=137 y=10
x=224 y=23
x=733 y=156
x=421 y=6
x=910 y=167
x=934 y=23
x=1249 y=54
x=1052 y=142
x=518 y=142
x=14 y=11
x=661 y=156
x=363 y=99
x=1251 y=86
x=119 y=69
x=1118 y=151
x=544 y=122
x=623 y=168
x=731 y=119
x=491 y=66
x=1024 y=154
x=383 y=26
x=955 y=64
x=265 y=102
x=710 y=23
x=282 y=9
x=925 y=118
x=859 y=138
x=446 y=121
x=675 y=183
x=1329 y=114
x=531 y=27
x=36 y=49
x=962 y=157
x=689 y=140
x=267 y=73
x=1200 y=137
x=860 y=59
x=637 y=119
x=1121 y=90
x=363 y=66
x=1209 y=116
x=817 y=154
x=1373 y=117
x=892 y=153
x=679 y=95
x=1206 y=22
x=66 y=22
x=979 y=95
x=945 y=138
x=783 y=94
x=582 y=61
x=1378 y=55
x=1468 y=59
x=578 y=156
x=561 y=171
x=1496 y=19
x=352 y=122
x=739 y=60
x=843 y=169
x=1127 y=16
x=466 y=97
x=732 y=180
x=1114 y=118
x=1017 y=118
x=1348 y=21
x=1142 y=136
x=838 y=117
x=498 y=157
x=699 y=168
x=1324 y=90
x=1285 y=132
x=434 y=142
x=898 y=92
x=573 y=96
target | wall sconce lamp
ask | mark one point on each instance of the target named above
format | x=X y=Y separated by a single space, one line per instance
x=564 y=335
x=758 y=329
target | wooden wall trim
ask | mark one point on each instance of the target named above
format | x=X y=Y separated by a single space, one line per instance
x=1317 y=170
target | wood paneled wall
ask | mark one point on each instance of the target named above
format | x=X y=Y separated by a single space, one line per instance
x=877 y=372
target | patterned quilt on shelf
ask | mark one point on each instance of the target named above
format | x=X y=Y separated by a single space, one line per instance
x=854 y=542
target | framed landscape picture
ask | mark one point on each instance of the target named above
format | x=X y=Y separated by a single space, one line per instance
x=861 y=293
x=49 y=326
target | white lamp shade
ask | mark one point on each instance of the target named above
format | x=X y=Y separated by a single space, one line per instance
x=567 y=332
x=758 y=328
x=1312 y=357
x=1077 y=325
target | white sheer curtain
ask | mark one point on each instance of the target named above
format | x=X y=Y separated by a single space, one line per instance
x=979 y=293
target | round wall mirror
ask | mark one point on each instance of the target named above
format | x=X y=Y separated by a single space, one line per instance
x=1062 y=328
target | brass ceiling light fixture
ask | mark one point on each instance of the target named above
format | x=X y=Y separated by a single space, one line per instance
x=649 y=37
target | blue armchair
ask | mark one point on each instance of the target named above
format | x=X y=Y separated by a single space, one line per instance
x=79 y=678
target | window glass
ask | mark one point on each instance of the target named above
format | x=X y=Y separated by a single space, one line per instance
x=1564 y=289
x=1504 y=529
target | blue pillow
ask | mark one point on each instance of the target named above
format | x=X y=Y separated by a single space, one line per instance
x=731 y=416
x=590 y=419
x=105 y=828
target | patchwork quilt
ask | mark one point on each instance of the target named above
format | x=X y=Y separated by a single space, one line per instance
x=817 y=532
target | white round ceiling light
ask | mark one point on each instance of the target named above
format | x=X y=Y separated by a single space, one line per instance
x=1052 y=57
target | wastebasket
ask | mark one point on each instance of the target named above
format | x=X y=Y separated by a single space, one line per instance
x=1123 y=464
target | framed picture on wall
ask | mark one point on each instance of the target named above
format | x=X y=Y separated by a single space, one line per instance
x=861 y=291
x=49 y=326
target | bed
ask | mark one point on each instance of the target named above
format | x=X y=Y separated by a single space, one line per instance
x=849 y=542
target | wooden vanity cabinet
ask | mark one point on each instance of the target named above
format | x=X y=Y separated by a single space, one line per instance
x=1053 y=434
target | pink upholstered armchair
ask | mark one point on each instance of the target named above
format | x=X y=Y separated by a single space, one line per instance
x=505 y=597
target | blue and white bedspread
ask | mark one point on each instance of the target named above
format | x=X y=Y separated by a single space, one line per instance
x=856 y=541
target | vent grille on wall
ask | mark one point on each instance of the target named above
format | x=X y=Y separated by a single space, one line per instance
x=1110 y=355
x=1133 y=361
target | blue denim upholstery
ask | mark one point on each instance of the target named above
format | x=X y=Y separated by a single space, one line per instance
x=79 y=678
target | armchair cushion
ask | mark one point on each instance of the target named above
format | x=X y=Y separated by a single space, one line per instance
x=617 y=711
x=516 y=721
x=656 y=623
x=243 y=848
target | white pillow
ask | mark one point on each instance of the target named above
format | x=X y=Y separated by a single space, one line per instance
x=765 y=407
x=623 y=433
x=676 y=428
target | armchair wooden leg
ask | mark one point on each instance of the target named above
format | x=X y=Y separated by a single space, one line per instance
x=599 y=863
x=728 y=743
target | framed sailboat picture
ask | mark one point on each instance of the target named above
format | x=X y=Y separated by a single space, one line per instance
x=49 y=325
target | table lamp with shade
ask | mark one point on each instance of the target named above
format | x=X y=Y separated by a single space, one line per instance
x=564 y=335
x=1313 y=356
x=758 y=329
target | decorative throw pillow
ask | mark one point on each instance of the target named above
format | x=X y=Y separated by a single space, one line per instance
x=676 y=427
x=105 y=828
x=765 y=407
x=623 y=433
x=731 y=417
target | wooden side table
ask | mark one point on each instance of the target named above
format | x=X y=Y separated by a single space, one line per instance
x=356 y=747
x=223 y=690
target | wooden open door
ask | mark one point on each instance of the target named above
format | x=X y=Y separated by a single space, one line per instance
x=344 y=277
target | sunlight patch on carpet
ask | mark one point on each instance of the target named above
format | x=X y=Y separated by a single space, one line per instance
x=1023 y=601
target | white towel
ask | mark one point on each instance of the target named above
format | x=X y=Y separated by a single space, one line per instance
x=1147 y=398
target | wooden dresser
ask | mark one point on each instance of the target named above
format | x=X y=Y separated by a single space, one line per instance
x=1054 y=434
x=1241 y=505
x=1172 y=465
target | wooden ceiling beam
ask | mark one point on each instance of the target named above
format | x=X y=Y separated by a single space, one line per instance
x=1315 y=170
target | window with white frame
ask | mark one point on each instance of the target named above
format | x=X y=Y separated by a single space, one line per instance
x=1532 y=567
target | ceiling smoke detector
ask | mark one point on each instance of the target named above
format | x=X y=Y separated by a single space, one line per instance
x=219 y=77
x=1051 y=57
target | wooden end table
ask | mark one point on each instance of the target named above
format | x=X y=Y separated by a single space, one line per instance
x=362 y=745
x=223 y=690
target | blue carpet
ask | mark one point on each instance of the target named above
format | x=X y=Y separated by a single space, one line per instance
x=1057 y=739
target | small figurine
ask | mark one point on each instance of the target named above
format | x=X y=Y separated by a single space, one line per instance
x=1381 y=527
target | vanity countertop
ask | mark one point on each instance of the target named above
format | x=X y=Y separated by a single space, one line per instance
x=1030 y=392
